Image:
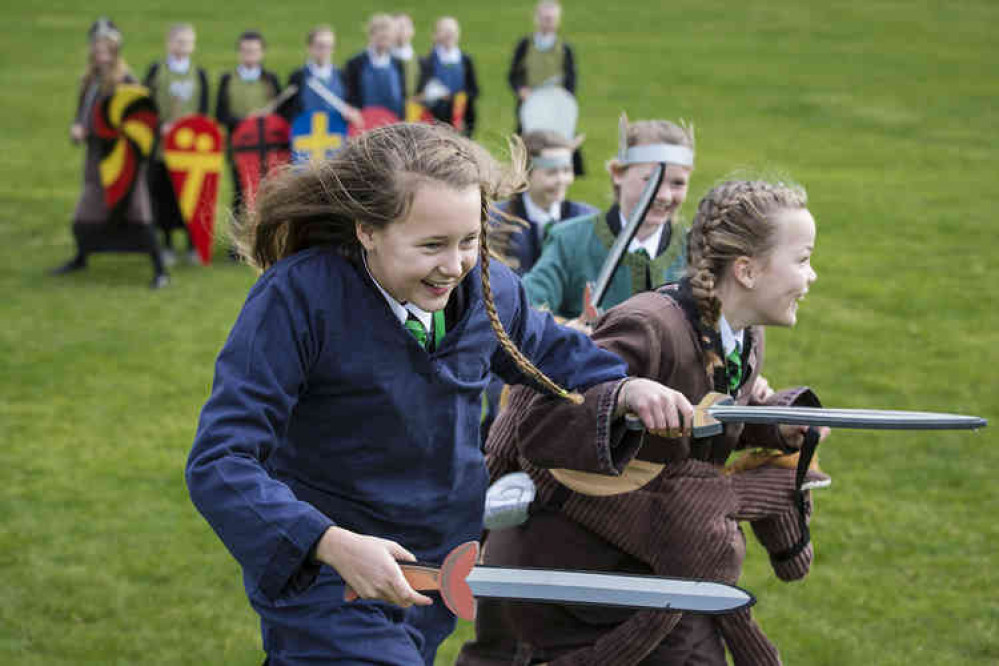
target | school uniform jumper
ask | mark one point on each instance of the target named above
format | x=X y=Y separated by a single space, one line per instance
x=306 y=99
x=458 y=77
x=682 y=523
x=326 y=411
x=525 y=245
x=177 y=94
x=575 y=251
x=368 y=85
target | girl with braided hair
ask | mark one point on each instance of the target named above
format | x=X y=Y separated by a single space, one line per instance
x=673 y=508
x=341 y=434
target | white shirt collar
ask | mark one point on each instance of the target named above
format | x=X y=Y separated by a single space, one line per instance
x=730 y=339
x=544 y=42
x=401 y=311
x=178 y=65
x=650 y=244
x=403 y=52
x=450 y=56
x=383 y=60
x=248 y=73
x=323 y=72
x=542 y=216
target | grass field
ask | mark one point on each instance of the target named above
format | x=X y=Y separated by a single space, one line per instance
x=885 y=110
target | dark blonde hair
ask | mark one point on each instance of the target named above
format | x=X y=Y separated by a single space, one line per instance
x=540 y=140
x=644 y=132
x=733 y=220
x=106 y=79
x=318 y=30
x=373 y=181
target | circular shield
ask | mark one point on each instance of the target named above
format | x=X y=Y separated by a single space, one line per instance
x=552 y=108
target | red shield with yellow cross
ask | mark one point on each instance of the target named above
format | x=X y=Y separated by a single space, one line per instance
x=193 y=155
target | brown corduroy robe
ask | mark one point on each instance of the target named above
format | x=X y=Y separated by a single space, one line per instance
x=683 y=523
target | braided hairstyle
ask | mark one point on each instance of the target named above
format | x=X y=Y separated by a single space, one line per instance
x=373 y=181
x=733 y=220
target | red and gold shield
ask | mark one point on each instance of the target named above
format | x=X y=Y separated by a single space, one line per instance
x=193 y=155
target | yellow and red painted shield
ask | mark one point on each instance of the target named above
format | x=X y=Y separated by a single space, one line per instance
x=193 y=155
x=126 y=120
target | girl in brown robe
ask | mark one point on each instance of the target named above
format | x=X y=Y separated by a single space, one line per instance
x=94 y=227
x=670 y=509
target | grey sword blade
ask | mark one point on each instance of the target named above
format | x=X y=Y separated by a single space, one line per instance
x=626 y=235
x=867 y=419
x=606 y=589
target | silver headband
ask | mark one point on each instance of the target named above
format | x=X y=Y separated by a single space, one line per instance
x=541 y=162
x=670 y=153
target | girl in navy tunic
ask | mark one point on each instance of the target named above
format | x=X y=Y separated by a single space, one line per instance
x=341 y=434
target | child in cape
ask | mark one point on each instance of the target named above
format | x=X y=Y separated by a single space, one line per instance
x=341 y=434
x=544 y=59
x=244 y=92
x=576 y=250
x=672 y=510
x=320 y=72
x=374 y=76
x=447 y=78
x=180 y=89
x=95 y=227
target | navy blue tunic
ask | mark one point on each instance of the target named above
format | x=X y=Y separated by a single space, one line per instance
x=325 y=411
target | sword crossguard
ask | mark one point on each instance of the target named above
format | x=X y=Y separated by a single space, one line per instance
x=448 y=579
x=704 y=424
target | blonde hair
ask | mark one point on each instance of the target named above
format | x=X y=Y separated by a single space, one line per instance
x=540 y=140
x=379 y=20
x=373 y=181
x=178 y=28
x=645 y=132
x=318 y=30
x=118 y=71
x=734 y=219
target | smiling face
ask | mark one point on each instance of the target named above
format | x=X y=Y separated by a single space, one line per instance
x=423 y=257
x=672 y=193
x=781 y=278
x=549 y=185
x=446 y=33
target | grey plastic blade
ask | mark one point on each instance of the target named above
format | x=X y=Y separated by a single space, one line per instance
x=866 y=419
x=605 y=589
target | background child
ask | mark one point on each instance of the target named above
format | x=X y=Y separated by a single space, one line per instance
x=543 y=204
x=94 y=227
x=320 y=69
x=750 y=249
x=374 y=76
x=243 y=92
x=544 y=59
x=402 y=49
x=342 y=430
x=453 y=73
x=576 y=250
x=180 y=89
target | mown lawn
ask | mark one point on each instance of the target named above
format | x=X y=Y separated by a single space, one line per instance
x=885 y=110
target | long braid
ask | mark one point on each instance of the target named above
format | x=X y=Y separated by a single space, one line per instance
x=505 y=342
x=733 y=220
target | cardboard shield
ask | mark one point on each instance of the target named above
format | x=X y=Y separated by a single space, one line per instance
x=126 y=121
x=259 y=144
x=458 y=108
x=374 y=116
x=418 y=113
x=316 y=136
x=551 y=108
x=193 y=156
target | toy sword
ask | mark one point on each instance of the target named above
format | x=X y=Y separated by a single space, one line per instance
x=595 y=295
x=717 y=409
x=460 y=582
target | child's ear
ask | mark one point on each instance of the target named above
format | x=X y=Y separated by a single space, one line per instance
x=365 y=234
x=744 y=270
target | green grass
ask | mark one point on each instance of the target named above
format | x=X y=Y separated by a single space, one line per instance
x=885 y=110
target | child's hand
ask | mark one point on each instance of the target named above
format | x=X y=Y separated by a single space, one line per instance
x=368 y=565
x=761 y=390
x=523 y=92
x=77 y=133
x=663 y=411
x=794 y=435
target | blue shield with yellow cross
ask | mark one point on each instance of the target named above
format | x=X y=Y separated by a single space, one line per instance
x=316 y=136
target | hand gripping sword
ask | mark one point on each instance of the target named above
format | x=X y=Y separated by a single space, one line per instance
x=460 y=582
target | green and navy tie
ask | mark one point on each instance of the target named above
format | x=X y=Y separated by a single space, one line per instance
x=415 y=327
x=733 y=365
